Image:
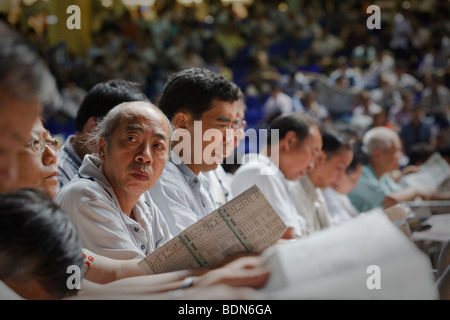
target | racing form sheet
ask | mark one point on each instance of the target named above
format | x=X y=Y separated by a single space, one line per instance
x=247 y=223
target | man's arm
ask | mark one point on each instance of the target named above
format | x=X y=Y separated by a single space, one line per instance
x=235 y=280
x=409 y=194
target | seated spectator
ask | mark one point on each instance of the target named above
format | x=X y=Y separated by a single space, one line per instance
x=380 y=119
x=99 y=100
x=344 y=70
x=314 y=108
x=218 y=179
x=104 y=200
x=198 y=102
x=401 y=112
x=339 y=205
x=278 y=102
x=375 y=187
x=36 y=85
x=260 y=77
x=25 y=83
x=417 y=130
x=385 y=93
x=327 y=44
x=37 y=166
x=362 y=114
x=294 y=83
x=330 y=166
x=402 y=79
x=40 y=242
x=435 y=100
x=290 y=158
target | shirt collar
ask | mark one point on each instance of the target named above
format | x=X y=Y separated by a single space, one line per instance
x=68 y=148
x=189 y=176
x=308 y=186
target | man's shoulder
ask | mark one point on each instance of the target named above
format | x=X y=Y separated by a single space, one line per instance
x=83 y=188
x=254 y=162
x=171 y=172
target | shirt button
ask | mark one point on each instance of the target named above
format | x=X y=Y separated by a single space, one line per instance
x=136 y=229
x=142 y=247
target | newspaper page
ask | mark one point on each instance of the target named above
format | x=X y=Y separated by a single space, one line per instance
x=365 y=258
x=247 y=223
x=430 y=175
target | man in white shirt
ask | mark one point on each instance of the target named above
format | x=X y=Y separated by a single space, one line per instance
x=296 y=149
x=339 y=205
x=336 y=155
x=198 y=102
x=104 y=201
x=219 y=180
x=100 y=99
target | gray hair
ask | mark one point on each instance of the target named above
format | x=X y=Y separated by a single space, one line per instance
x=381 y=138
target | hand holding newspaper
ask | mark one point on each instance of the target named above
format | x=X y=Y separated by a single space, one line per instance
x=434 y=172
x=247 y=223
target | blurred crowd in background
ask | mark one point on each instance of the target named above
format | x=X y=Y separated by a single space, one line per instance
x=318 y=57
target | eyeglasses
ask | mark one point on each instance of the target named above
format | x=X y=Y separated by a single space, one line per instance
x=239 y=124
x=38 y=144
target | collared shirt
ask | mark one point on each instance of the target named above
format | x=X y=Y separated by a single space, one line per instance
x=181 y=195
x=370 y=191
x=103 y=228
x=310 y=204
x=219 y=183
x=68 y=162
x=259 y=170
x=339 y=206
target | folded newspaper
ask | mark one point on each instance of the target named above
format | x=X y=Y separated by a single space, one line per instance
x=247 y=223
x=365 y=258
x=431 y=175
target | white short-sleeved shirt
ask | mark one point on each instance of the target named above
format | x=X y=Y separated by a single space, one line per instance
x=310 y=204
x=182 y=196
x=340 y=207
x=219 y=183
x=259 y=170
x=103 y=228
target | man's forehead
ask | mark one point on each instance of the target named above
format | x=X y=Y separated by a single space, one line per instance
x=145 y=121
x=221 y=109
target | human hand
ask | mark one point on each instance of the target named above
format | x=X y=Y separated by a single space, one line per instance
x=242 y=272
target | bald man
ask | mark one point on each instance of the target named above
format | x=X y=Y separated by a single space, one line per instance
x=104 y=200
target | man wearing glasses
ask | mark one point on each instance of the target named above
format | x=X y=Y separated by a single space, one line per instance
x=218 y=179
x=25 y=84
x=199 y=103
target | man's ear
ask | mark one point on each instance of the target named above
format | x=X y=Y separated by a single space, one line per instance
x=321 y=158
x=289 y=141
x=101 y=150
x=90 y=124
x=181 y=120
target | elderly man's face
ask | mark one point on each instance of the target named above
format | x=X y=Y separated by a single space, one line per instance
x=16 y=120
x=137 y=151
x=391 y=156
x=38 y=170
x=297 y=157
x=329 y=170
